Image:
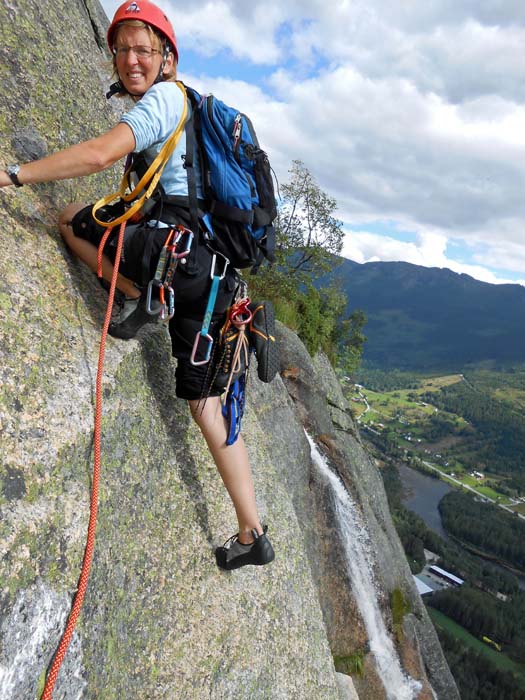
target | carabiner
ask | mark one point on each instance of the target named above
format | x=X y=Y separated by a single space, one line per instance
x=195 y=349
x=170 y=303
x=153 y=283
x=213 y=263
x=182 y=231
x=240 y=314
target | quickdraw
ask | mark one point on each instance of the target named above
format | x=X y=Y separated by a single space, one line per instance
x=166 y=266
x=203 y=337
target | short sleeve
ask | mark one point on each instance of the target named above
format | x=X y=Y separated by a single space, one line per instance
x=155 y=116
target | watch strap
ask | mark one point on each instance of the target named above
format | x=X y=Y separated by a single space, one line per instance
x=12 y=171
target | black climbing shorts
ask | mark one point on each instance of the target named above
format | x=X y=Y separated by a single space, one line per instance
x=191 y=284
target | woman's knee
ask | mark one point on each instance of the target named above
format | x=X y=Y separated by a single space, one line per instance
x=206 y=412
x=66 y=217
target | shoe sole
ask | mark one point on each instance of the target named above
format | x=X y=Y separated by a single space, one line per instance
x=268 y=363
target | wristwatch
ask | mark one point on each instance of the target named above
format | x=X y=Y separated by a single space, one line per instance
x=12 y=171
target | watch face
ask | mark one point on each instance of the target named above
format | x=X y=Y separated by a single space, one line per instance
x=12 y=171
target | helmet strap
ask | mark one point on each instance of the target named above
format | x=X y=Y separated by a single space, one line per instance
x=166 y=52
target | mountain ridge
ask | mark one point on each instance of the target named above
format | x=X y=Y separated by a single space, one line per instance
x=423 y=318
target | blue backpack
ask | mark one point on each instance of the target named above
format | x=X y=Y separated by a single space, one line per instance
x=239 y=205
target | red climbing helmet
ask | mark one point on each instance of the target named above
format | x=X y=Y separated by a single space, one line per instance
x=146 y=12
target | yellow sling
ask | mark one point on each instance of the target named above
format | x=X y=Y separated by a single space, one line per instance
x=150 y=178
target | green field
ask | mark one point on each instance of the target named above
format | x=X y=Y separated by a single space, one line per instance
x=497 y=658
x=442 y=438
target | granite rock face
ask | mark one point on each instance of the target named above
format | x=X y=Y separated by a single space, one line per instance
x=159 y=619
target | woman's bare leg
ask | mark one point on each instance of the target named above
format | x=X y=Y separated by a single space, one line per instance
x=232 y=462
x=88 y=253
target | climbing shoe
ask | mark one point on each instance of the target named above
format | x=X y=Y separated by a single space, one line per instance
x=261 y=332
x=233 y=554
x=123 y=307
x=131 y=316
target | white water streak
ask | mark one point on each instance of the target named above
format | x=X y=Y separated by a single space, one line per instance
x=38 y=615
x=360 y=563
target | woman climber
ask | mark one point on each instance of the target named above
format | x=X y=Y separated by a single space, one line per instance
x=145 y=56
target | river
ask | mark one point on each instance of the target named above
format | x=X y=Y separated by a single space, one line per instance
x=421 y=494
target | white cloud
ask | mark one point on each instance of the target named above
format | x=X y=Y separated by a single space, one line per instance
x=429 y=250
x=382 y=146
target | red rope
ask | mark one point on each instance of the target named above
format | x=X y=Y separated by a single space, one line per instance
x=60 y=653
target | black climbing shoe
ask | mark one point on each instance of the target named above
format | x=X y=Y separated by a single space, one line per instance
x=261 y=332
x=123 y=307
x=233 y=554
x=132 y=315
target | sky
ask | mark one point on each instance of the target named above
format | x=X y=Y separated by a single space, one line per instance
x=409 y=113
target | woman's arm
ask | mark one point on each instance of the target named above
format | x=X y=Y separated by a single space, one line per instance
x=82 y=159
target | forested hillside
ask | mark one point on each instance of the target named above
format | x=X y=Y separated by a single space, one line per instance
x=433 y=319
x=491 y=530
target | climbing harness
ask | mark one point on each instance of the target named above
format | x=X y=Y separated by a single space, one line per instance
x=203 y=337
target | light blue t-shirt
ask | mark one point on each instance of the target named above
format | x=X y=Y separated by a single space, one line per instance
x=153 y=119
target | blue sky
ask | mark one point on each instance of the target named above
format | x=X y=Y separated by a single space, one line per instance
x=410 y=114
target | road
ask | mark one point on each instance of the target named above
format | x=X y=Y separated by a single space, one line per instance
x=444 y=475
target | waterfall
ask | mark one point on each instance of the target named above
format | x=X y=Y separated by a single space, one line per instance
x=360 y=562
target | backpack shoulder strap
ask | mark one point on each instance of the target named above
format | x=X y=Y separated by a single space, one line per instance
x=189 y=161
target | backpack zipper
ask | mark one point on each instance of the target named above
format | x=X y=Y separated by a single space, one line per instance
x=237 y=132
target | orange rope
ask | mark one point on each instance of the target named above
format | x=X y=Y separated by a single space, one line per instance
x=60 y=653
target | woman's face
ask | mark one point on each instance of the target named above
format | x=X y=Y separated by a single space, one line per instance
x=138 y=72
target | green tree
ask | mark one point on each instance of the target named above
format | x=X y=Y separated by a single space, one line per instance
x=309 y=239
x=308 y=233
x=351 y=340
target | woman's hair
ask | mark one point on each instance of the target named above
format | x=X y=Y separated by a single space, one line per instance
x=158 y=41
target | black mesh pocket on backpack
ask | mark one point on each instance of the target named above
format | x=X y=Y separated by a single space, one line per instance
x=235 y=242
